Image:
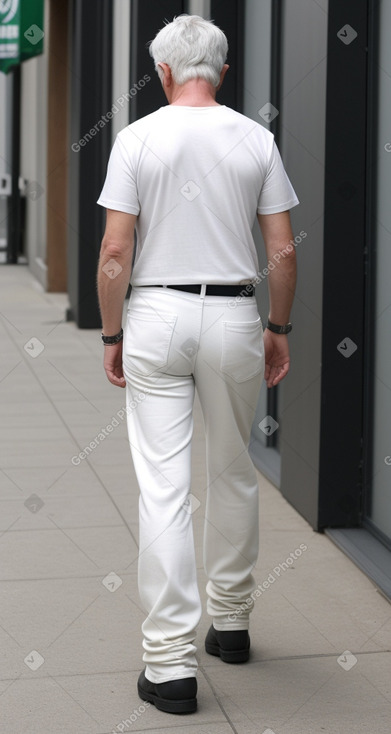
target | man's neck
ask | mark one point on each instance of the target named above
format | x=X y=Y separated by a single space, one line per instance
x=195 y=93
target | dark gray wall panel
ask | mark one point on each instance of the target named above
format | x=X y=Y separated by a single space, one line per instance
x=302 y=146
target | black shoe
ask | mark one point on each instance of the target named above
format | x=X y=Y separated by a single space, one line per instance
x=174 y=696
x=232 y=646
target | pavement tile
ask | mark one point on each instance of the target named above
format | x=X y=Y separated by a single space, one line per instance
x=69 y=480
x=59 y=553
x=100 y=703
x=69 y=536
x=119 y=480
x=39 y=511
x=303 y=696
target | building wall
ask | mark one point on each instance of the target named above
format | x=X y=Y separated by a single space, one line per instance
x=57 y=147
x=5 y=161
x=302 y=145
x=34 y=80
x=121 y=64
x=199 y=7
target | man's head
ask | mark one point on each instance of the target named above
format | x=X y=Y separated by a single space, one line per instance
x=192 y=47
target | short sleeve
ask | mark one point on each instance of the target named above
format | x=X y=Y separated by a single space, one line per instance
x=277 y=194
x=120 y=190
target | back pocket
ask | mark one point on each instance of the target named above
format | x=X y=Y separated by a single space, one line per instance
x=242 y=355
x=147 y=341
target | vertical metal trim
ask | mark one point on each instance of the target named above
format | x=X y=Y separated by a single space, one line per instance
x=275 y=98
x=370 y=254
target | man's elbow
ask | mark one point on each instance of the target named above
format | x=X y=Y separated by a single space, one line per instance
x=116 y=249
x=284 y=254
x=288 y=253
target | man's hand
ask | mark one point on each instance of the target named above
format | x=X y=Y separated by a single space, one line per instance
x=112 y=363
x=278 y=237
x=117 y=252
x=276 y=357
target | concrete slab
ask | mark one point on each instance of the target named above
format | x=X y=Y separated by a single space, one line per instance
x=69 y=586
x=58 y=553
x=303 y=696
x=100 y=704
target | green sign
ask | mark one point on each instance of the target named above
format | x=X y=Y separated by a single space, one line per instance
x=21 y=31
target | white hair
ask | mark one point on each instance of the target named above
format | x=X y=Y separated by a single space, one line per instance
x=192 y=47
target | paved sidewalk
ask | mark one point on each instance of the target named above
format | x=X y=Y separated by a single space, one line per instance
x=70 y=614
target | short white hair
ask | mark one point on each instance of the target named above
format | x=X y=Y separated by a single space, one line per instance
x=192 y=47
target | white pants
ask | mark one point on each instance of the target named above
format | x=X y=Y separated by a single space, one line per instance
x=174 y=342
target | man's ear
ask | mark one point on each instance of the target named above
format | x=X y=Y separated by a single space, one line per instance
x=222 y=75
x=166 y=76
x=160 y=71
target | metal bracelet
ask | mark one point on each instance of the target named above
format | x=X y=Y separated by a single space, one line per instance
x=110 y=340
x=276 y=329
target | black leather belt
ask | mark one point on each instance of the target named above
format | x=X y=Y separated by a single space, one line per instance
x=212 y=290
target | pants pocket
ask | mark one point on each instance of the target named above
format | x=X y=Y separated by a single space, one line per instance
x=242 y=354
x=147 y=341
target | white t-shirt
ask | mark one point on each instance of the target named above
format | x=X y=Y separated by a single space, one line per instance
x=196 y=177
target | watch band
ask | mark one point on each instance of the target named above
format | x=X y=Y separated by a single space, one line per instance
x=276 y=329
x=109 y=340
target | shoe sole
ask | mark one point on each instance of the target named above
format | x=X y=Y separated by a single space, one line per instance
x=183 y=706
x=228 y=656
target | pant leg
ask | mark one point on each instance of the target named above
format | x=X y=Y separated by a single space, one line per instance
x=160 y=431
x=228 y=376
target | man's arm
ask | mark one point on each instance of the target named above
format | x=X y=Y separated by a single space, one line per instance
x=114 y=270
x=278 y=237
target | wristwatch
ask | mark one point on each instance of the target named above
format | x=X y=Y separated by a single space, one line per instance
x=276 y=329
x=109 y=340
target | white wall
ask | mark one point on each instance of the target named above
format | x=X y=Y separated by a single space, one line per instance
x=5 y=120
x=34 y=154
x=121 y=64
x=199 y=7
x=5 y=153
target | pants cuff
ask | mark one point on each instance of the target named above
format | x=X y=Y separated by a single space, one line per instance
x=167 y=676
x=225 y=624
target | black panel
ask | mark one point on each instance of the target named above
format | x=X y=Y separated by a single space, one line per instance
x=340 y=482
x=91 y=99
x=275 y=98
x=276 y=63
x=229 y=16
x=147 y=19
x=14 y=201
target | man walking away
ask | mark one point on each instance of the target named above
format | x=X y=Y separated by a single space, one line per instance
x=190 y=178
